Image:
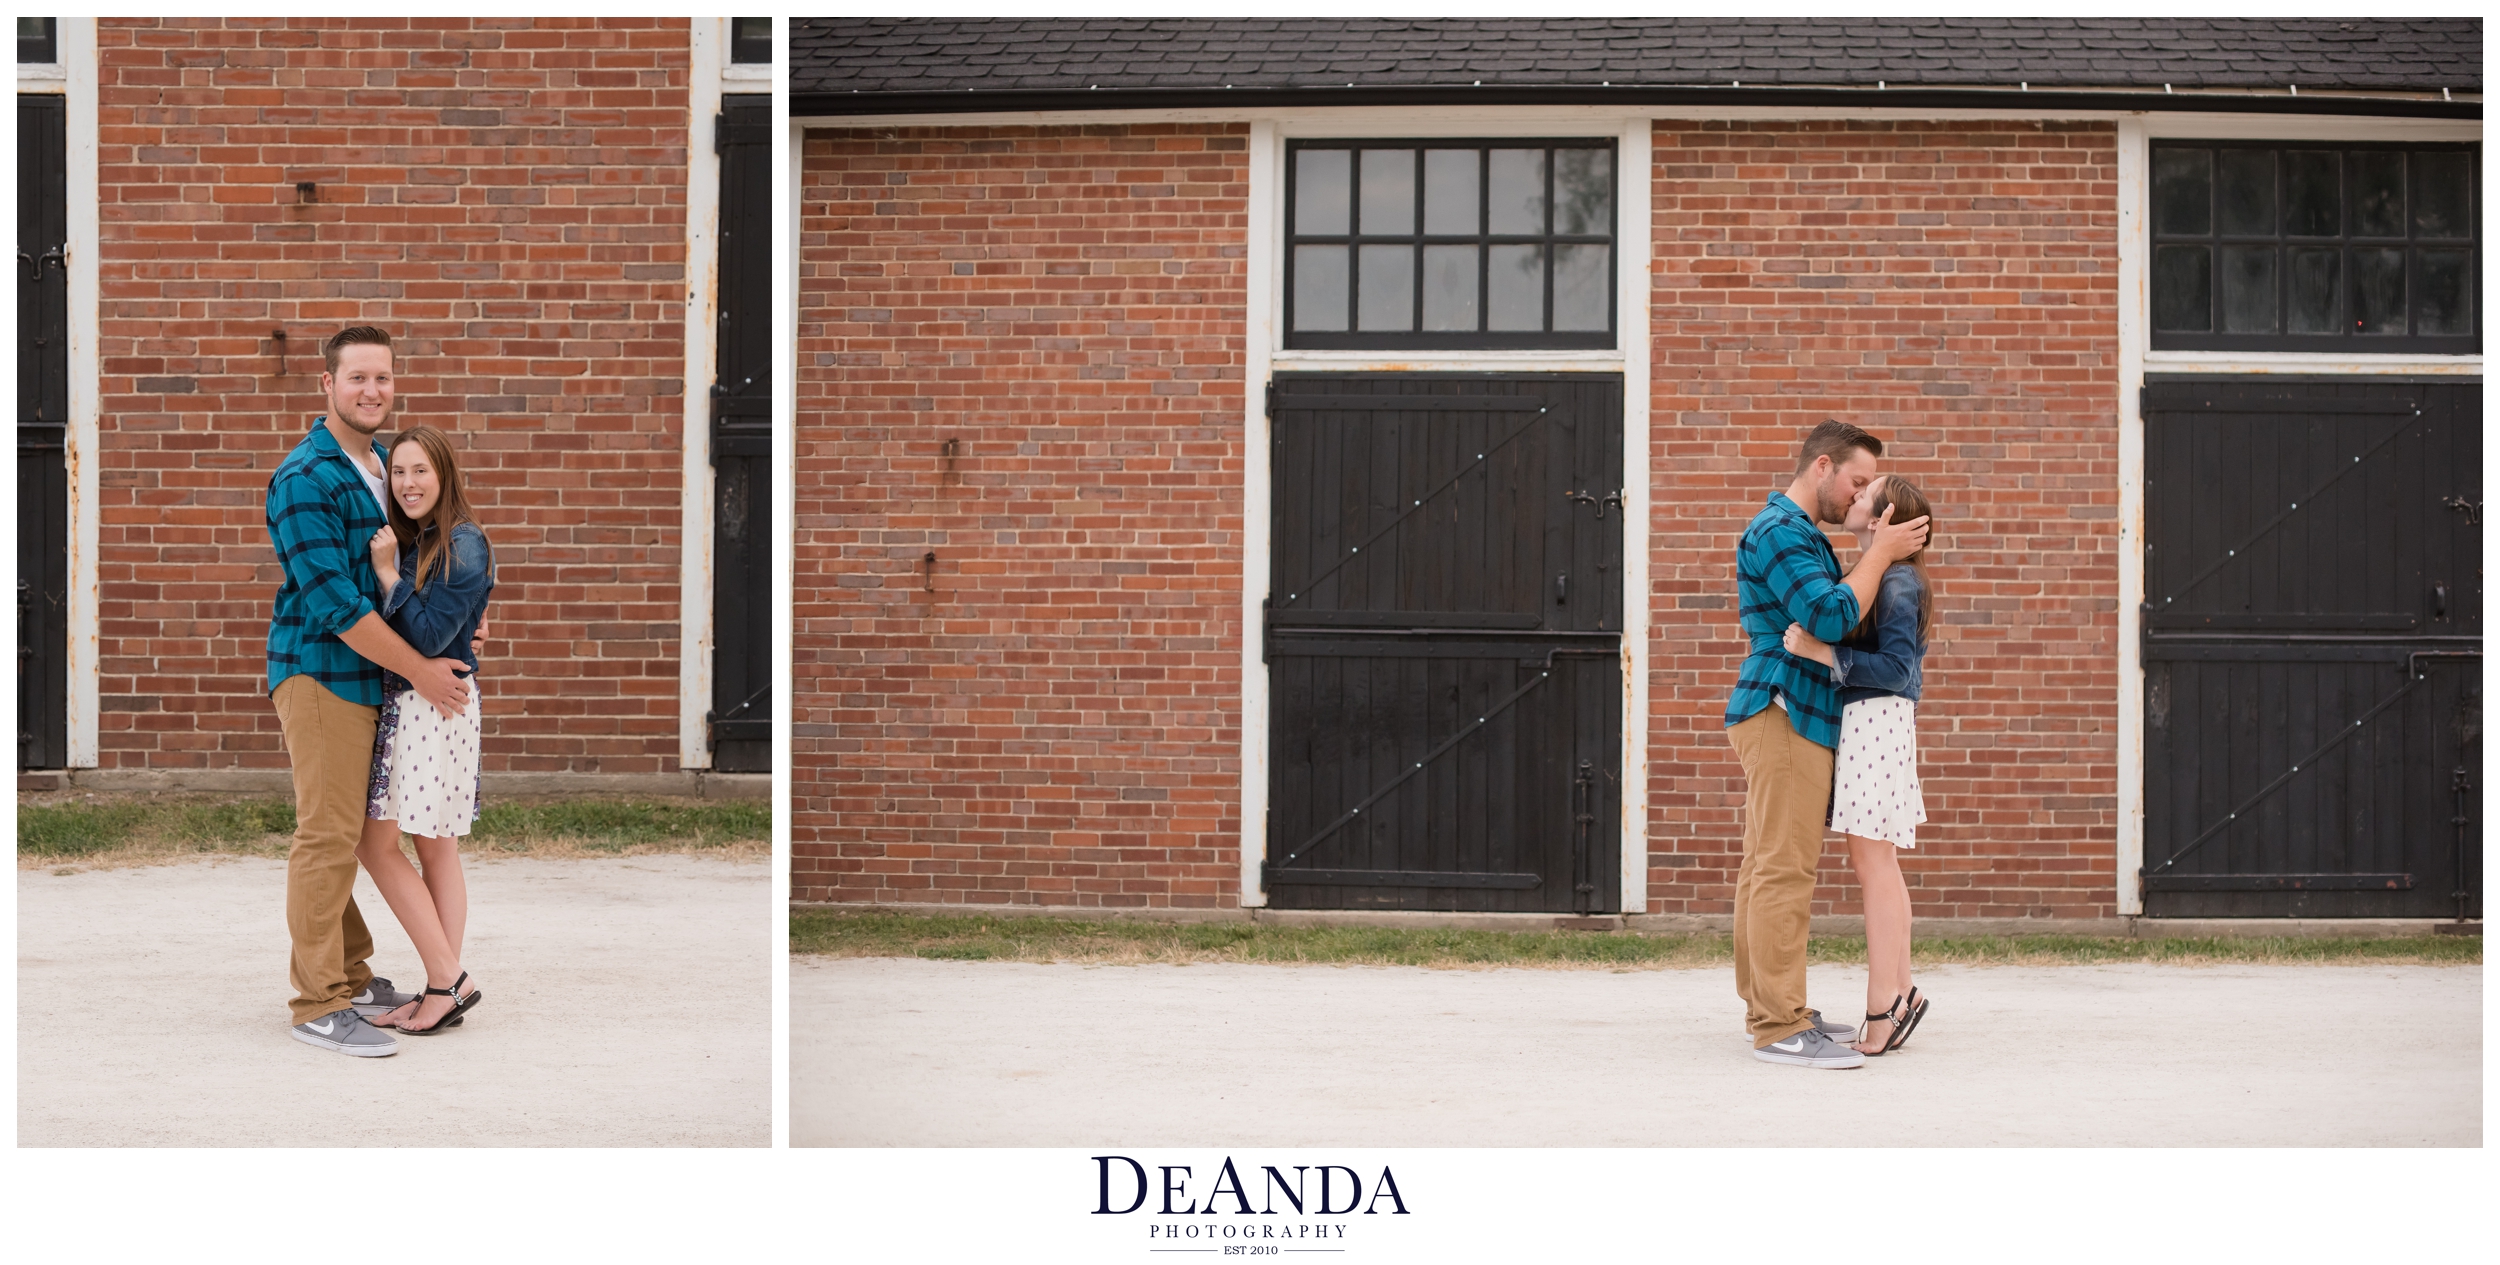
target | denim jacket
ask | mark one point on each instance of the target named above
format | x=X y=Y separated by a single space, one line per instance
x=439 y=620
x=1890 y=664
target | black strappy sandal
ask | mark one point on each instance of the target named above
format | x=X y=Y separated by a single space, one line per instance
x=1892 y=1016
x=1901 y=1031
x=459 y=1006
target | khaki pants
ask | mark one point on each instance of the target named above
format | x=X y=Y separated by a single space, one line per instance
x=330 y=742
x=1788 y=785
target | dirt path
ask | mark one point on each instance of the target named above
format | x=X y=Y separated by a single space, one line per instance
x=628 y=1004
x=905 y=1052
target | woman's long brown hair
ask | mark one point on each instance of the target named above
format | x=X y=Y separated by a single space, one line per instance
x=1907 y=503
x=450 y=509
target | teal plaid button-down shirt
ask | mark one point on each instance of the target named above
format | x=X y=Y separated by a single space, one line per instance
x=321 y=513
x=1786 y=573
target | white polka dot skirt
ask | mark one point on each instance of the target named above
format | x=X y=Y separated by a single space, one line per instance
x=425 y=767
x=1875 y=791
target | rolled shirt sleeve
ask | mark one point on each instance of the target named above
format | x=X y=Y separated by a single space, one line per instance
x=1813 y=600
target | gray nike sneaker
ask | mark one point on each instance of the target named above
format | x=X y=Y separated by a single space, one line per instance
x=1810 y=1048
x=347 y=1032
x=379 y=998
x=1833 y=1030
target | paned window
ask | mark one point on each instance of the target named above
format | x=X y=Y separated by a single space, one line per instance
x=38 y=41
x=1450 y=243
x=2298 y=247
x=750 y=41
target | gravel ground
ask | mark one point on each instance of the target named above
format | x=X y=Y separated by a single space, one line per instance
x=628 y=1004
x=906 y=1052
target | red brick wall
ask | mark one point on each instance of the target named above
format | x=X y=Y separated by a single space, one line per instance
x=1056 y=724
x=507 y=197
x=1059 y=721
x=1953 y=288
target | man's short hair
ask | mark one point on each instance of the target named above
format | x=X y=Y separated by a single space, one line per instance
x=349 y=337
x=1834 y=439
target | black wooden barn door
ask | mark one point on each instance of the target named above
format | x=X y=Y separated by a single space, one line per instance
x=1445 y=616
x=742 y=449
x=2312 y=648
x=42 y=422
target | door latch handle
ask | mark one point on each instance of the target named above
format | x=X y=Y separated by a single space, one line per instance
x=1614 y=498
x=2473 y=509
x=2439 y=600
x=1562 y=588
x=34 y=263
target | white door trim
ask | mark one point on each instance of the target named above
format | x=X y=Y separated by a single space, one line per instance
x=1632 y=299
x=2133 y=304
x=707 y=57
x=1262 y=286
x=1265 y=355
x=84 y=434
x=2137 y=359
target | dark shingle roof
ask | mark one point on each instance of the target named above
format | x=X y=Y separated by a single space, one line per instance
x=927 y=55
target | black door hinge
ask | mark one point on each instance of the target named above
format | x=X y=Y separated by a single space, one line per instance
x=1271 y=398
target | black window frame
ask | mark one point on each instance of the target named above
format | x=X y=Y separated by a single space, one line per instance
x=2343 y=342
x=1480 y=339
x=43 y=49
x=750 y=50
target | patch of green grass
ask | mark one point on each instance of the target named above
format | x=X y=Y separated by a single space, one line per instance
x=239 y=821
x=614 y=825
x=988 y=938
x=119 y=827
x=72 y=830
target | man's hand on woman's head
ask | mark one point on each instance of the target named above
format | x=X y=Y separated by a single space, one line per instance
x=1896 y=541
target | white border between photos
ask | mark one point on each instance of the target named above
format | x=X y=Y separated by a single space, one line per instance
x=785 y=501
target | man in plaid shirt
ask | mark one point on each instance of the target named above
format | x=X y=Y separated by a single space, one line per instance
x=1784 y=720
x=327 y=649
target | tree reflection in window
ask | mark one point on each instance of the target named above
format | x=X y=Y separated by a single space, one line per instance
x=1450 y=243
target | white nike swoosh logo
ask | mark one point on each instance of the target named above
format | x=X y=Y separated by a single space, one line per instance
x=1790 y=1046
x=322 y=1027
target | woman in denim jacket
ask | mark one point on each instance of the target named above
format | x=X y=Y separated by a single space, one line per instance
x=1875 y=790
x=434 y=570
